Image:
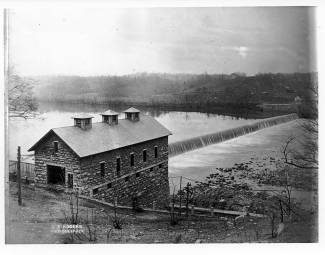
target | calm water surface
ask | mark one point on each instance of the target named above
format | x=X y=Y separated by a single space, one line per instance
x=183 y=125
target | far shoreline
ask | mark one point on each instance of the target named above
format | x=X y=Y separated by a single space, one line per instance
x=236 y=111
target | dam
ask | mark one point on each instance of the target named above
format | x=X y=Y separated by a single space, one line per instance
x=198 y=142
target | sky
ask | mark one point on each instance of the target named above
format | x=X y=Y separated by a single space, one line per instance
x=165 y=40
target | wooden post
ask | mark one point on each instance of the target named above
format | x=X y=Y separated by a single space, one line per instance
x=281 y=210
x=180 y=196
x=173 y=209
x=192 y=209
x=19 y=177
x=187 y=197
x=212 y=211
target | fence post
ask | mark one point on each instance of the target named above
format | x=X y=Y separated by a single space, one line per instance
x=192 y=209
x=180 y=196
x=187 y=197
x=19 y=177
x=212 y=211
x=172 y=208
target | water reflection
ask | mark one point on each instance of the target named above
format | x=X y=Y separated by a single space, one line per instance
x=152 y=111
x=183 y=125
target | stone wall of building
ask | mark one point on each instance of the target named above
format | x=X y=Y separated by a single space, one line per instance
x=64 y=157
x=149 y=187
x=148 y=181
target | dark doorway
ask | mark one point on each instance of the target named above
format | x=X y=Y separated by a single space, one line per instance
x=55 y=175
x=70 y=181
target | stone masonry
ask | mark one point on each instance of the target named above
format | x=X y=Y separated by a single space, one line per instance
x=145 y=182
x=64 y=157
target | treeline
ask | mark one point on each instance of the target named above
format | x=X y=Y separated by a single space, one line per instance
x=196 y=90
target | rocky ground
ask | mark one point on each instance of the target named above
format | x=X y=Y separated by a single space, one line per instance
x=44 y=211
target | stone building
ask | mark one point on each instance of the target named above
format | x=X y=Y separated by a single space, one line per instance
x=123 y=160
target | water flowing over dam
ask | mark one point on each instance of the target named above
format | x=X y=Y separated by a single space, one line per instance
x=194 y=143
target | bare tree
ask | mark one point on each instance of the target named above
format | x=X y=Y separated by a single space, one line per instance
x=71 y=218
x=173 y=217
x=286 y=183
x=21 y=101
x=307 y=156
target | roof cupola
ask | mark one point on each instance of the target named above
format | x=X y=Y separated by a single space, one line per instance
x=132 y=114
x=110 y=117
x=83 y=121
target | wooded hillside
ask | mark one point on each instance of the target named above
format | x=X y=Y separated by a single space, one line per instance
x=176 y=89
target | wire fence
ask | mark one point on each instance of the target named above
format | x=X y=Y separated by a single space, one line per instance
x=27 y=169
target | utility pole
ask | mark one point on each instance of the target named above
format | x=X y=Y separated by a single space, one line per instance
x=19 y=177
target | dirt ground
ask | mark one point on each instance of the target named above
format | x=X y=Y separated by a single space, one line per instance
x=43 y=211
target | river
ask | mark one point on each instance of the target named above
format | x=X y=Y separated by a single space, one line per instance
x=195 y=165
x=183 y=125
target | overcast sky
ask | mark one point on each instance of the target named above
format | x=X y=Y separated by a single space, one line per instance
x=173 y=40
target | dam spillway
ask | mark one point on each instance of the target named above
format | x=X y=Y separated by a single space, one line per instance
x=198 y=142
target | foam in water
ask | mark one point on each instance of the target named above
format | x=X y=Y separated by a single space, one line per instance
x=205 y=140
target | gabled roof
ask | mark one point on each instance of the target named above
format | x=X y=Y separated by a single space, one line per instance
x=102 y=137
x=109 y=112
x=131 y=110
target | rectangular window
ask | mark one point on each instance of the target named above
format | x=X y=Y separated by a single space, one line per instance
x=151 y=169
x=126 y=178
x=156 y=151
x=118 y=166
x=95 y=191
x=137 y=174
x=56 y=146
x=144 y=155
x=70 y=181
x=160 y=165
x=132 y=159
x=109 y=185
x=102 y=169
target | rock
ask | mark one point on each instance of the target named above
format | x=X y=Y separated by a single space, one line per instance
x=198 y=241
